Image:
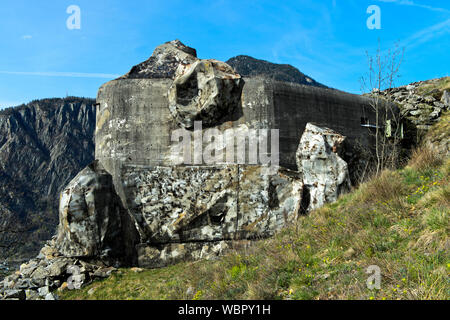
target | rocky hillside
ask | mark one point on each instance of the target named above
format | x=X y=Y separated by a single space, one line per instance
x=250 y=67
x=43 y=145
x=422 y=102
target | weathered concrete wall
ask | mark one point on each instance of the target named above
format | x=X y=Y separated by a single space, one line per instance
x=295 y=105
x=134 y=123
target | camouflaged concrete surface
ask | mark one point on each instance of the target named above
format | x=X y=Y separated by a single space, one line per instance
x=90 y=216
x=325 y=173
x=186 y=204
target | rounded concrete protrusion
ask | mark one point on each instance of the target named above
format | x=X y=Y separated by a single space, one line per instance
x=204 y=91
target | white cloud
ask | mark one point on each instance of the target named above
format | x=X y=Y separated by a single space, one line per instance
x=63 y=74
x=27 y=37
x=415 y=4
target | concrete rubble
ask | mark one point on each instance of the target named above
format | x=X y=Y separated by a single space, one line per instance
x=325 y=173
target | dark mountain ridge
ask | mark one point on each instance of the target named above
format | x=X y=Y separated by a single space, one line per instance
x=248 y=66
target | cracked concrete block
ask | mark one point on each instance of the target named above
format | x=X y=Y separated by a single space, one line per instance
x=325 y=173
x=206 y=91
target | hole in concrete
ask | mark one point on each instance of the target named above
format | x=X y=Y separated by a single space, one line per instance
x=187 y=91
x=306 y=200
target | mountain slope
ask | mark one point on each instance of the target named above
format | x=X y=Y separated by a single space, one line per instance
x=43 y=145
x=250 y=67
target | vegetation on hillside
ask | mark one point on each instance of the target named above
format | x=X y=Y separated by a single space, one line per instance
x=439 y=135
x=435 y=87
x=46 y=104
x=398 y=221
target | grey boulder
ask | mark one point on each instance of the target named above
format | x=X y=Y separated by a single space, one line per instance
x=446 y=98
x=90 y=215
x=14 y=294
x=325 y=173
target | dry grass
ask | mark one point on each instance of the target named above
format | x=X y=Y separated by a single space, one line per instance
x=424 y=158
x=438 y=84
x=384 y=187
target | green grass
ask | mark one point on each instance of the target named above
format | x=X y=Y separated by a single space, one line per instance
x=441 y=130
x=398 y=221
x=126 y=284
x=433 y=85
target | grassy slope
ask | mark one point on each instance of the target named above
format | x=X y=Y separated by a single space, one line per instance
x=398 y=221
x=433 y=85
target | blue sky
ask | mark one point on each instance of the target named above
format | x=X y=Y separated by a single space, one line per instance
x=40 y=57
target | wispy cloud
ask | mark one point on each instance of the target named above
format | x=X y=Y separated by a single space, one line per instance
x=27 y=37
x=427 y=34
x=63 y=74
x=415 y=4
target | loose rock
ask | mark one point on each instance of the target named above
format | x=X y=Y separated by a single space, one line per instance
x=90 y=216
x=164 y=61
x=325 y=173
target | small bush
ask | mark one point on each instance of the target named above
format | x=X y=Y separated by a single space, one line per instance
x=437 y=219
